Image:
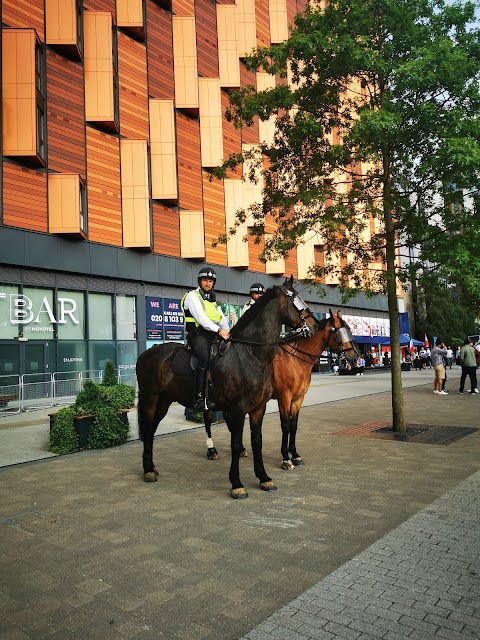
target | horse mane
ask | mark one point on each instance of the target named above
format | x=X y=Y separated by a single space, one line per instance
x=254 y=311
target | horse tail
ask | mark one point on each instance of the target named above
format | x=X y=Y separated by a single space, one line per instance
x=141 y=417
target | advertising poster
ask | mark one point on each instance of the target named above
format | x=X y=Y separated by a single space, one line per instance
x=174 y=330
x=231 y=312
x=154 y=318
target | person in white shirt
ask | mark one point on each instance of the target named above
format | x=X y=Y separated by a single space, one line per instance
x=204 y=320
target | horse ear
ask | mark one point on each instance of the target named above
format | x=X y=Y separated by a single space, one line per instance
x=331 y=313
x=290 y=282
x=339 y=314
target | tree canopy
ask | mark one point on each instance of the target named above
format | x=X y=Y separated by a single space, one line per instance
x=377 y=109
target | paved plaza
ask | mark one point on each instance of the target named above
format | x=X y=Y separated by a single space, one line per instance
x=371 y=538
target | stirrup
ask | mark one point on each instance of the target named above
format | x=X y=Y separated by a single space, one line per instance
x=200 y=405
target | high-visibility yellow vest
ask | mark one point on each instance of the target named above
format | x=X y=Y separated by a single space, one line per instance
x=210 y=308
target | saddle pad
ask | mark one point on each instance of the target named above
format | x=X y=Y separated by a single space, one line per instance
x=182 y=364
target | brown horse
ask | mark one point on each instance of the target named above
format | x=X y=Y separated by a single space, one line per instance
x=242 y=379
x=292 y=367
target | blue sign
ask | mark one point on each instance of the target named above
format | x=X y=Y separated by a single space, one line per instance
x=154 y=318
x=174 y=329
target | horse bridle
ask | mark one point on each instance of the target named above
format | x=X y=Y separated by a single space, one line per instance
x=303 y=312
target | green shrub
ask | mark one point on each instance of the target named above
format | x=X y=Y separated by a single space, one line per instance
x=107 y=430
x=121 y=396
x=90 y=399
x=63 y=438
x=109 y=375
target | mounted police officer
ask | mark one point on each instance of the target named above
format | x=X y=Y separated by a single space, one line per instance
x=204 y=320
x=256 y=291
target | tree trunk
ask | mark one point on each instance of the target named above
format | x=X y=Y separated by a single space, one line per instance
x=398 y=414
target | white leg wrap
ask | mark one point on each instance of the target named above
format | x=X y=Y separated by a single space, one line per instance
x=209 y=443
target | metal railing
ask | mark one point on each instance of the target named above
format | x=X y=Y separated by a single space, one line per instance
x=43 y=390
x=10 y=395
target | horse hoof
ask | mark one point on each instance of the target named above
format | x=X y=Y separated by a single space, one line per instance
x=155 y=471
x=212 y=454
x=239 y=494
x=297 y=462
x=287 y=465
x=151 y=476
x=244 y=453
x=268 y=486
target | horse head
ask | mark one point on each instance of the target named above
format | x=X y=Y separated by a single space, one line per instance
x=341 y=338
x=308 y=324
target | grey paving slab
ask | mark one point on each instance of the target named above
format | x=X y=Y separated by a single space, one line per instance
x=432 y=562
x=88 y=550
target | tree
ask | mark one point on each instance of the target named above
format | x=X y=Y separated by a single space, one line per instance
x=380 y=115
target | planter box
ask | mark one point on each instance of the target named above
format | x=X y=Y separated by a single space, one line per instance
x=82 y=425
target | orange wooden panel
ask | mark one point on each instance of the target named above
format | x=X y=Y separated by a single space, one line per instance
x=262 y=19
x=250 y=135
x=24 y=197
x=183 y=7
x=207 y=46
x=132 y=77
x=166 y=230
x=319 y=254
x=291 y=268
x=159 y=52
x=103 y=180
x=100 y=5
x=301 y=5
x=232 y=138
x=214 y=219
x=189 y=163
x=26 y=14
x=66 y=128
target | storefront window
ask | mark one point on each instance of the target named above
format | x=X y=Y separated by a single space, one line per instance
x=71 y=315
x=100 y=319
x=99 y=352
x=72 y=356
x=127 y=354
x=8 y=330
x=9 y=362
x=34 y=310
x=126 y=318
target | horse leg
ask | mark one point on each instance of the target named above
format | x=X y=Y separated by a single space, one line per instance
x=150 y=413
x=256 y=420
x=212 y=453
x=295 y=456
x=235 y=426
x=285 y=424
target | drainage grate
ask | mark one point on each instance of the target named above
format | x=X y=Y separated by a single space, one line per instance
x=419 y=433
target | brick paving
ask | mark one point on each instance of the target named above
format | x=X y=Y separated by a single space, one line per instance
x=371 y=539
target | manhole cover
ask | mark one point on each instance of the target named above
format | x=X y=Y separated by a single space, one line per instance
x=419 y=433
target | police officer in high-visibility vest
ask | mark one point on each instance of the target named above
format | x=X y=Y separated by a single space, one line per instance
x=256 y=291
x=204 y=320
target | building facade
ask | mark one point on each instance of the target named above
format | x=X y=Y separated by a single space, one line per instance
x=112 y=118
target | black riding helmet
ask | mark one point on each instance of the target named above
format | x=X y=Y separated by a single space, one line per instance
x=207 y=272
x=257 y=288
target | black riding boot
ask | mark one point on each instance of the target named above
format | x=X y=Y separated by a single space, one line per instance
x=199 y=384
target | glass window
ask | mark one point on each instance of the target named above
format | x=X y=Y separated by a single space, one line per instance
x=8 y=330
x=9 y=363
x=127 y=354
x=71 y=315
x=99 y=352
x=35 y=311
x=72 y=356
x=126 y=318
x=100 y=318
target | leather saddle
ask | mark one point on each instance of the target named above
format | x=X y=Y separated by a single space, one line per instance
x=185 y=361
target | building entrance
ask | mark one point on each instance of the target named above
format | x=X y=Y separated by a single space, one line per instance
x=32 y=357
